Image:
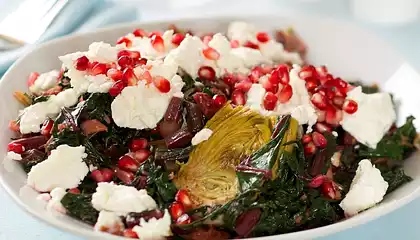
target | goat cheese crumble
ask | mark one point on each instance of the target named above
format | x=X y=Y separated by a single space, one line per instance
x=373 y=118
x=203 y=135
x=44 y=82
x=13 y=156
x=121 y=199
x=55 y=202
x=154 y=228
x=109 y=222
x=367 y=189
x=64 y=168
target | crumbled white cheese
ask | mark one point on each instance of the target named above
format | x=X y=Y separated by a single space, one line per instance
x=189 y=56
x=203 y=135
x=154 y=228
x=44 y=197
x=250 y=57
x=102 y=52
x=299 y=105
x=227 y=62
x=367 y=189
x=64 y=168
x=33 y=116
x=55 y=202
x=13 y=156
x=121 y=199
x=99 y=83
x=373 y=118
x=336 y=159
x=143 y=106
x=44 y=82
x=109 y=222
x=145 y=47
x=242 y=32
x=160 y=68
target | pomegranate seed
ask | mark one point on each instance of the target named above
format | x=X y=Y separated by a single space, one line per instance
x=263 y=37
x=311 y=84
x=243 y=86
x=306 y=138
x=129 y=233
x=205 y=103
x=183 y=219
x=323 y=127
x=309 y=149
x=15 y=147
x=283 y=74
x=162 y=84
x=125 y=40
x=177 y=38
x=268 y=86
x=285 y=94
x=97 y=176
x=141 y=62
x=125 y=176
x=266 y=69
x=207 y=73
x=331 y=116
x=328 y=190
x=176 y=209
x=252 y=45
x=98 y=68
x=183 y=198
x=125 y=61
x=46 y=127
x=238 y=97
x=155 y=33
x=319 y=100
x=270 y=101
x=114 y=74
x=255 y=74
x=137 y=144
x=207 y=39
x=234 y=43
x=325 y=78
x=219 y=100
x=350 y=106
x=157 y=43
x=135 y=55
x=139 y=32
x=321 y=116
x=107 y=174
x=230 y=79
x=74 y=191
x=338 y=101
x=33 y=77
x=123 y=53
x=319 y=140
x=129 y=78
x=116 y=88
x=82 y=63
x=211 y=53
x=274 y=77
x=322 y=71
x=128 y=163
x=307 y=72
x=14 y=126
x=141 y=155
x=317 y=181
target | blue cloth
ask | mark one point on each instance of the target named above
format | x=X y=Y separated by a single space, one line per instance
x=77 y=16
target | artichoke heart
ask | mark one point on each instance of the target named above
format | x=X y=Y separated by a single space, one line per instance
x=209 y=175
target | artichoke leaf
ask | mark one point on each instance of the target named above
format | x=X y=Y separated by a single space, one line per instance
x=209 y=175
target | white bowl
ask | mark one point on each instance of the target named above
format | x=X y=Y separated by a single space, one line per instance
x=347 y=51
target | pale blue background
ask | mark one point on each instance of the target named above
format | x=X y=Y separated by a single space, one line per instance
x=401 y=224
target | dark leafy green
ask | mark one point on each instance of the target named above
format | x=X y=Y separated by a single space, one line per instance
x=31 y=158
x=40 y=99
x=395 y=178
x=80 y=207
x=395 y=145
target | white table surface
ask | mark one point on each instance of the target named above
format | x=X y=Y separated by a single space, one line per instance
x=400 y=224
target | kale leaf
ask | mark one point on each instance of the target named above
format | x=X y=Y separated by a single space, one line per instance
x=39 y=99
x=395 y=145
x=395 y=178
x=80 y=207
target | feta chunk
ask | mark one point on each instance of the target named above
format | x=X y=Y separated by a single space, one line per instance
x=13 y=156
x=121 y=199
x=64 y=168
x=154 y=228
x=250 y=57
x=203 y=135
x=55 y=202
x=102 y=52
x=373 y=118
x=146 y=49
x=367 y=189
x=44 y=82
x=242 y=32
x=109 y=222
x=99 y=83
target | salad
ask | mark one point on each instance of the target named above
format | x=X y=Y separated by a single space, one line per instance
x=172 y=135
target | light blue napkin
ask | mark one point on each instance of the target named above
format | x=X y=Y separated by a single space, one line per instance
x=77 y=16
